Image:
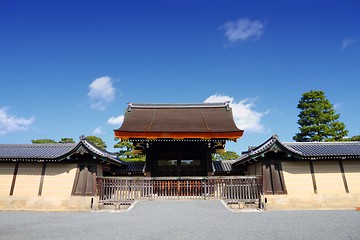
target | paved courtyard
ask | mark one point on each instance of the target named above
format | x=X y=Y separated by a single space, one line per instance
x=181 y=219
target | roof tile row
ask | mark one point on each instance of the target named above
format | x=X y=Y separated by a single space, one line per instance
x=51 y=152
x=304 y=150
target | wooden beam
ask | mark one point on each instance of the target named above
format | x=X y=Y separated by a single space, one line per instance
x=277 y=178
x=14 y=179
x=42 y=178
x=313 y=176
x=267 y=178
x=179 y=135
x=343 y=176
x=76 y=179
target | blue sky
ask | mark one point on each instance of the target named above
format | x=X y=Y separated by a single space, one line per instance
x=69 y=67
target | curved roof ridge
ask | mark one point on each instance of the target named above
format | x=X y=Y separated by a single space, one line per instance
x=177 y=105
x=261 y=146
x=264 y=147
x=304 y=150
x=53 y=151
x=98 y=150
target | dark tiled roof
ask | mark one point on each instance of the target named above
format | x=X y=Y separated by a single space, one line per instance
x=132 y=168
x=178 y=118
x=38 y=151
x=226 y=167
x=304 y=150
x=52 y=152
x=222 y=166
x=272 y=143
x=136 y=166
x=325 y=148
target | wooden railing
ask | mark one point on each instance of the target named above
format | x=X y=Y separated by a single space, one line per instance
x=129 y=189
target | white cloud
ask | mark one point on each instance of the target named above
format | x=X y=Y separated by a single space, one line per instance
x=347 y=42
x=243 y=29
x=10 y=123
x=244 y=116
x=98 y=131
x=101 y=92
x=116 y=120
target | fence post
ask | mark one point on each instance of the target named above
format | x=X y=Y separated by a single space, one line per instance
x=203 y=183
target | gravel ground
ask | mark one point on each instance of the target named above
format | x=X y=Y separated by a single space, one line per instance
x=181 y=219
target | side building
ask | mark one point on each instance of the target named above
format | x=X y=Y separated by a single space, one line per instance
x=306 y=175
x=52 y=176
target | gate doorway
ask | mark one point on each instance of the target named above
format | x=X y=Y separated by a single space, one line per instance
x=179 y=167
x=178 y=159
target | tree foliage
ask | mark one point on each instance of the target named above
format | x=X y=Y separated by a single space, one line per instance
x=318 y=120
x=352 y=139
x=126 y=151
x=67 y=140
x=42 y=141
x=228 y=155
x=47 y=141
x=98 y=142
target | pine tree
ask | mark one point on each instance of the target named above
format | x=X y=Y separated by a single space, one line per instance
x=318 y=120
x=228 y=155
x=43 y=141
x=98 y=142
x=67 y=140
x=126 y=151
x=353 y=138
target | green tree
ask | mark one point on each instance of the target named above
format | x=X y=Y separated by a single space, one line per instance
x=42 y=141
x=318 y=120
x=125 y=148
x=352 y=139
x=228 y=155
x=126 y=151
x=67 y=140
x=98 y=142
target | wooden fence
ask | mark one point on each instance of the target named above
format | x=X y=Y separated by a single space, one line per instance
x=129 y=189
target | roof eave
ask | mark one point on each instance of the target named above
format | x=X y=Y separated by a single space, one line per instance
x=265 y=147
x=89 y=147
x=125 y=135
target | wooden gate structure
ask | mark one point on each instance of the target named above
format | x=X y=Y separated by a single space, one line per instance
x=178 y=141
x=125 y=190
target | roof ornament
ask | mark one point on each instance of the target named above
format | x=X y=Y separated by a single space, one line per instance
x=82 y=137
x=227 y=105
x=81 y=150
x=275 y=149
x=129 y=106
x=250 y=148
